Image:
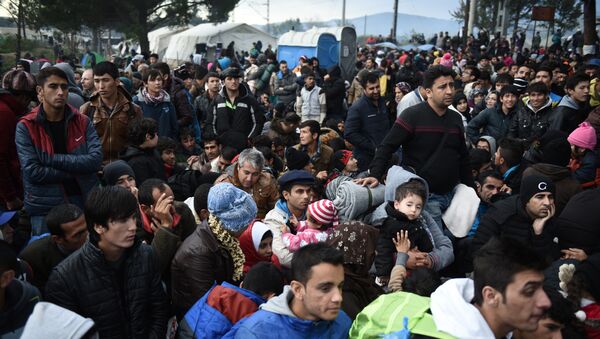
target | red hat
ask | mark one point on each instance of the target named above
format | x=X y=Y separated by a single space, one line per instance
x=323 y=212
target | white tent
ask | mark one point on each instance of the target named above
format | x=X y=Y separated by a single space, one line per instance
x=183 y=44
x=159 y=38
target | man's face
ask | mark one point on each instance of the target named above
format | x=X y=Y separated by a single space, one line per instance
x=581 y=93
x=155 y=85
x=188 y=143
x=369 y=64
x=105 y=85
x=77 y=77
x=87 y=80
x=223 y=163
x=152 y=60
x=119 y=234
x=214 y=84
x=500 y=85
x=54 y=92
x=483 y=144
x=126 y=181
x=168 y=156
x=248 y=175
x=372 y=91
x=559 y=78
x=298 y=197
x=591 y=71
x=537 y=100
x=442 y=92
x=539 y=205
x=309 y=81
x=544 y=77
x=490 y=187
x=232 y=83
x=508 y=100
x=524 y=302
x=467 y=76
x=524 y=72
x=283 y=68
x=74 y=234
x=352 y=165
x=513 y=70
x=321 y=297
x=548 y=328
x=211 y=149
x=306 y=138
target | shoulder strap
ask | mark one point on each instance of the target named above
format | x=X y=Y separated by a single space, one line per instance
x=435 y=154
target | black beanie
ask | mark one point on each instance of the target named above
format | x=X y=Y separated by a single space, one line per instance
x=555 y=148
x=116 y=169
x=590 y=269
x=534 y=184
x=296 y=160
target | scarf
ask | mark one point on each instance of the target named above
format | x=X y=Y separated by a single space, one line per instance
x=231 y=245
x=153 y=99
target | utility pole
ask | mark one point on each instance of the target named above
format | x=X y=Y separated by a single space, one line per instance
x=589 y=27
x=269 y=16
x=365 y=28
x=344 y=13
x=394 y=33
x=472 y=8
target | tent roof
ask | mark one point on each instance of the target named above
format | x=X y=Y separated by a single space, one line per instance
x=309 y=37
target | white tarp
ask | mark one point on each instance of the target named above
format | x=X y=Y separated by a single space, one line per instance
x=159 y=38
x=183 y=44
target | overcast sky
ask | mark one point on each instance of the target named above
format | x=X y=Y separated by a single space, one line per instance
x=255 y=11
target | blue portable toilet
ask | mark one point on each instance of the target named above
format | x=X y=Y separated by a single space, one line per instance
x=331 y=45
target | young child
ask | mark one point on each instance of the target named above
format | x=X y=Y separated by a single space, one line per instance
x=321 y=219
x=404 y=214
x=166 y=148
x=584 y=159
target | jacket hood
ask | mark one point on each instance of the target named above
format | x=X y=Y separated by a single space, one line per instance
x=52 y=321
x=65 y=67
x=492 y=143
x=281 y=303
x=553 y=172
x=397 y=176
x=130 y=152
x=453 y=312
x=19 y=298
x=546 y=105
x=569 y=102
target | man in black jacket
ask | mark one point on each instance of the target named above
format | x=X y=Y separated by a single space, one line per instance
x=495 y=121
x=573 y=109
x=335 y=91
x=141 y=154
x=527 y=217
x=114 y=279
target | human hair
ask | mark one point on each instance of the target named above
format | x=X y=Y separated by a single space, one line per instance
x=228 y=153
x=538 y=87
x=266 y=152
x=414 y=187
x=435 y=72
x=153 y=55
x=504 y=78
x=511 y=150
x=210 y=137
x=150 y=74
x=165 y=143
x=312 y=125
x=212 y=75
x=8 y=257
x=253 y=157
x=282 y=62
x=262 y=140
x=145 y=192
x=312 y=255
x=106 y=67
x=138 y=128
x=162 y=67
x=60 y=215
x=47 y=72
x=545 y=69
x=108 y=203
x=575 y=79
x=482 y=177
x=562 y=309
x=201 y=198
x=422 y=281
x=263 y=279
x=474 y=71
x=186 y=132
x=369 y=78
x=498 y=261
x=478 y=157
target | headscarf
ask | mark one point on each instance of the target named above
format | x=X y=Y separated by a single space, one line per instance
x=249 y=242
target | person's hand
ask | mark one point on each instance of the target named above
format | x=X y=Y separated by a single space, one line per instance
x=574 y=253
x=368 y=181
x=326 y=77
x=322 y=175
x=382 y=281
x=401 y=242
x=14 y=205
x=538 y=224
x=162 y=210
x=191 y=160
x=283 y=229
x=293 y=221
x=134 y=191
x=505 y=189
x=422 y=260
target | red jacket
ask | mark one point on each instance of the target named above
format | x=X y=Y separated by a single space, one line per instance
x=11 y=185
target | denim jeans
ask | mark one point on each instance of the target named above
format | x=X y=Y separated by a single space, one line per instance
x=38 y=225
x=437 y=204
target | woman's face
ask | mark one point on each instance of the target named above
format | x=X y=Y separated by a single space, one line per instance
x=462 y=105
x=398 y=95
x=491 y=100
x=478 y=99
x=264 y=248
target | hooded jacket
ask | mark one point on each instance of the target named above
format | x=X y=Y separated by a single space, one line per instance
x=569 y=114
x=335 y=92
x=112 y=126
x=286 y=86
x=145 y=163
x=529 y=124
x=52 y=321
x=11 y=184
x=44 y=172
x=454 y=314
x=21 y=298
x=75 y=97
x=276 y=317
x=164 y=113
x=134 y=307
x=493 y=121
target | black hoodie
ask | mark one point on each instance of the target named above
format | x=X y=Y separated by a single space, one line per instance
x=21 y=298
x=335 y=91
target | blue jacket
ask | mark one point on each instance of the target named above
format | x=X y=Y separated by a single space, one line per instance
x=365 y=128
x=217 y=311
x=164 y=113
x=276 y=320
x=44 y=171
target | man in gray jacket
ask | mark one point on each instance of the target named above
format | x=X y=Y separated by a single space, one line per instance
x=285 y=84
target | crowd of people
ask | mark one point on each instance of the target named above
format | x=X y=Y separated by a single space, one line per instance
x=449 y=193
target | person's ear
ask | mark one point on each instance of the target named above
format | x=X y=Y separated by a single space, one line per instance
x=298 y=289
x=145 y=209
x=491 y=297
x=56 y=239
x=285 y=195
x=268 y=295
x=99 y=229
x=6 y=278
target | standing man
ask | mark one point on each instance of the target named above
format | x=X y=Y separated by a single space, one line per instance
x=285 y=84
x=433 y=143
x=111 y=110
x=59 y=151
x=204 y=102
x=311 y=103
x=367 y=122
x=87 y=83
x=114 y=279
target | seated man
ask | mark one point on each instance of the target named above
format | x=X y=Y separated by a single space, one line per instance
x=224 y=305
x=310 y=307
x=488 y=184
x=68 y=232
x=248 y=175
x=113 y=274
x=526 y=217
x=320 y=154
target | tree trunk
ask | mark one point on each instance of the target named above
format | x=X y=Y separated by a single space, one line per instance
x=143 y=32
x=466 y=27
x=589 y=25
x=19 y=19
x=495 y=16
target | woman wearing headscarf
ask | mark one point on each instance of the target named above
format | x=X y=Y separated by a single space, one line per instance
x=357 y=241
x=256 y=242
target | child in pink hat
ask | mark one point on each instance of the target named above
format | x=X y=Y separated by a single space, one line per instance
x=321 y=220
x=584 y=159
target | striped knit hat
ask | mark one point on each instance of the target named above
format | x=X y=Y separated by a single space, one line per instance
x=323 y=212
x=19 y=82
